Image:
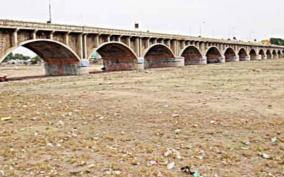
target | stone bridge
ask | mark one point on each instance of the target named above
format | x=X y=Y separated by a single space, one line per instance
x=63 y=46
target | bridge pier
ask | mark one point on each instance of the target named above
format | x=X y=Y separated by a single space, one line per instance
x=61 y=69
x=141 y=64
x=176 y=62
x=202 y=61
x=222 y=59
x=258 y=57
x=247 y=58
x=179 y=62
x=235 y=59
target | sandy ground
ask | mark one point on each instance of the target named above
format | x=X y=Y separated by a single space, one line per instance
x=224 y=120
x=12 y=71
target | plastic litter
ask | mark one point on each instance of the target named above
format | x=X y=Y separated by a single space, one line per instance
x=187 y=170
x=6 y=118
x=274 y=141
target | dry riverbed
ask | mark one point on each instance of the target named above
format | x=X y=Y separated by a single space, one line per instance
x=222 y=120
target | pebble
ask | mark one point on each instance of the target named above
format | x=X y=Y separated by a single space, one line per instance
x=171 y=165
x=175 y=115
x=2 y=173
x=152 y=162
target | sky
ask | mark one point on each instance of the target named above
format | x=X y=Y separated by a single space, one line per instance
x=244 y=19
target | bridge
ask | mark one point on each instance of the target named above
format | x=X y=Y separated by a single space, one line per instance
x=62 y=47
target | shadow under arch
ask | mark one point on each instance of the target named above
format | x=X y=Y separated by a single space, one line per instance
x=59 y=58
x=269 y=54
x=274 y=53
x=116 y=56
x=252 y=54
x=158 y=56
x=262 y=54
x=192 y=55
x=213 y=55
x=243 y=54
x=230 y=55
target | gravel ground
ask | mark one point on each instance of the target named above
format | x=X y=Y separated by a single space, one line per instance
x=221 y=120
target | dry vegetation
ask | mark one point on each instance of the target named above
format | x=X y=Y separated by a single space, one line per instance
x=222 y=120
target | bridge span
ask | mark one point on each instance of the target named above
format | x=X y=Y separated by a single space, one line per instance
x=63 y=46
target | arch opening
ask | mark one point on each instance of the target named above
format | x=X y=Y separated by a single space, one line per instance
x=230 y=55
x=213 y=55
x=159 y=56
x=279 y=54
x=21 y=62
x=243 y=55
x=274 y=53
x=116 y=56
x=262 y=54
x=192 y=56
x=268 y=54
x=252 y=54
x=58 y=58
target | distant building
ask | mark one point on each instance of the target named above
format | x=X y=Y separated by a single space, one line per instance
x=266 y=42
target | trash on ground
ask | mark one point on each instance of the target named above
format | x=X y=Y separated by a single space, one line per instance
x=187 y=170
x=6 y=118
x=264 y=155
x=274 y=141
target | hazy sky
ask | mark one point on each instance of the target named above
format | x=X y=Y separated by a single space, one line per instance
x=245 y=19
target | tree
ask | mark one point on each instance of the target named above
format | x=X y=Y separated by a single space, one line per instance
x=9 y=57
x=277 y=41
x=35 y=60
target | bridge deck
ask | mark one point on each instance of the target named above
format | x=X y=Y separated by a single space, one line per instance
x=97 y=30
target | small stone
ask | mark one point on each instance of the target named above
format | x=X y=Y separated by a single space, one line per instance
x=60 y=123
x=152 y=162
x=171 y=165
x=177 y=131
x=49 y=145
x=195 y=125
x=264 y=155
x=2 y=174
x=175 y=115
x=116 y=172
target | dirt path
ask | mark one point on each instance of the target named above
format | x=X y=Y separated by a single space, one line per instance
x=223 y=120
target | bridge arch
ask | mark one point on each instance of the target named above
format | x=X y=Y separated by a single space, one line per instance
x=213 y=55
x=230 y=54
x=192 y=55
x=116 y=56
x=262 y=54
x=157 y=56
x=48 y=50
x=269 y=54
x=280 y=54
x=59 y=58
x=243 y=55
x=252 y=54
x=274 y=53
